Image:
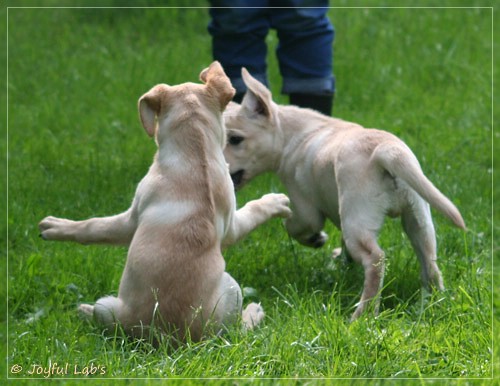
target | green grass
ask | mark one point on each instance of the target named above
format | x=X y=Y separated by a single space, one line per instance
x=76 y=149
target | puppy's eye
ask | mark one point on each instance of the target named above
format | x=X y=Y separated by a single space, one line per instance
x=235 y=140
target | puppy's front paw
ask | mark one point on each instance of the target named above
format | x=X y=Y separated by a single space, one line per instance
x=317 y=240
x=279 y=204
x=53 y=228
x=252 y=315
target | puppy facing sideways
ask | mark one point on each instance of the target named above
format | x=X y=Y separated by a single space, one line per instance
x=183 y=212
x=341 y=171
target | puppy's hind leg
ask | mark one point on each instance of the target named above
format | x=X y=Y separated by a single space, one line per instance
x=360 y=228
x=229 y=301
x=366 y=251
x=417 y=224
x=106 y=311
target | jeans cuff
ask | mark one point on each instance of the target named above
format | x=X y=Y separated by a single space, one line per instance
x=317 y=86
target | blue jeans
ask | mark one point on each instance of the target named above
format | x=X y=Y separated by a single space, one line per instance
x=305 y=49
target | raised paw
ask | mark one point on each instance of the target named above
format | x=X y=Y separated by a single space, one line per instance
x=279 y=204
x=53 y=228
x=252 y=315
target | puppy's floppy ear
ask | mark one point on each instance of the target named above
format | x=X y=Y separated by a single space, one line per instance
x=150 y=105
x=257 y=98
x=218 y=83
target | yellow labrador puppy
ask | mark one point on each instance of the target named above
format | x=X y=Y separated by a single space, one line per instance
x=341 y=171
x=183 y=212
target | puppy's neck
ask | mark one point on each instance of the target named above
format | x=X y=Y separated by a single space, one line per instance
x=296 y=120
x=190 y=137
x=298 y=128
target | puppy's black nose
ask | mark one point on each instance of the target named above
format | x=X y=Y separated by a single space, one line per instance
x=237 y=178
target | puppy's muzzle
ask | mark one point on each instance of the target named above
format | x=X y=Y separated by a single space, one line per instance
x=237 y=178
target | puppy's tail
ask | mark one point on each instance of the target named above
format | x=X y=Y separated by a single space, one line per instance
x=400 y=162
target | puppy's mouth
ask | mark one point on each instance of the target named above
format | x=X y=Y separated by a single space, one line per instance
x=237 y=178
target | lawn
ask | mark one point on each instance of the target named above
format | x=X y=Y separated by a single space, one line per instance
x=76 y=149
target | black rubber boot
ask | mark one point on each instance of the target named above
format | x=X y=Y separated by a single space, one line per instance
x=322 y=103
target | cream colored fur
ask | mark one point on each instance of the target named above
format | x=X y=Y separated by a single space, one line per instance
x=183 y=212
x=341 y=171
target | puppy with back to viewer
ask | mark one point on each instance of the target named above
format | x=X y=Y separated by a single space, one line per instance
x=183 y=213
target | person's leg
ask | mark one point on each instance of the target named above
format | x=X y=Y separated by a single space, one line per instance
x=305 y=52
x=238 y=39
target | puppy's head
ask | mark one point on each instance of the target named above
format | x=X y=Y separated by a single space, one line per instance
x=254 y=141
x=165 y=105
